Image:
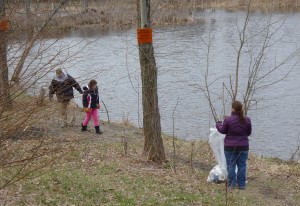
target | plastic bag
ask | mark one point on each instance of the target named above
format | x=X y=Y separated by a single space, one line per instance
x=217 y=175
x=219 y=172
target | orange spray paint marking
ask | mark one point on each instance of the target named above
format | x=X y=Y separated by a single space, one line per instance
x=4 y=25
x=144 y=35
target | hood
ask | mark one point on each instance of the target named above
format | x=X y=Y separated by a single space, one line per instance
x=61 y=79
x=85 y=88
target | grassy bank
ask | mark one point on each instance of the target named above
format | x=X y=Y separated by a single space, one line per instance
x=85 y=169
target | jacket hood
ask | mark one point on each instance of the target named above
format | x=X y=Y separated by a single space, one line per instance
x=85 y=88
x=63 y=78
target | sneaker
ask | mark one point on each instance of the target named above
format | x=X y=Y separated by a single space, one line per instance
x=242 y=187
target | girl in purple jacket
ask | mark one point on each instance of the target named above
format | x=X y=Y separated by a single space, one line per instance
x=90 y=101
x=236 y=128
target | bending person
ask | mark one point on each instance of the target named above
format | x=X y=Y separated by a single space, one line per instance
x=62 y=85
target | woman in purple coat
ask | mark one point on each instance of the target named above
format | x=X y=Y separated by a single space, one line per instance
x=236 y=128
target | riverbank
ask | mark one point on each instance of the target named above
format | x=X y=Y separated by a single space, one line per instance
x=123 y=14
x=64 y=166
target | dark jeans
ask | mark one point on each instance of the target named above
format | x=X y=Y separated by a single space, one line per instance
x=239 y=159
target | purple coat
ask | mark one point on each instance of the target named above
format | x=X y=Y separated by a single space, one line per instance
x=236 y=131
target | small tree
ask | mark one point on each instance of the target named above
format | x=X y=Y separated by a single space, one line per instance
x=254 y=47
x=31 y=41
x=30 y=61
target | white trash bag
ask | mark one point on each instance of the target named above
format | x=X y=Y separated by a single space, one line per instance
x=219 y=173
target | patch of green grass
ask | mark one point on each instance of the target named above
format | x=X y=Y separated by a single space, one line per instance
x=98 y=173
x=123 y=200
x=69 y=186
x=106 y=186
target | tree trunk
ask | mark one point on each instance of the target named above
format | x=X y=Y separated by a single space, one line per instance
x=5 y=99
x=153 y=145
x=85 y=4
x=28 y=8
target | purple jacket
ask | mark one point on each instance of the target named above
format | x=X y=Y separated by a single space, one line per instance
x=236 y=131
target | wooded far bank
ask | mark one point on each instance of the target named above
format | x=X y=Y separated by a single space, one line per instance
x=98 y=14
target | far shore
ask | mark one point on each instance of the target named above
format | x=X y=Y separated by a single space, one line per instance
x=123 y=14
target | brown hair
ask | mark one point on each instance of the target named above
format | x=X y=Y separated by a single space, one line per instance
x=92 y=83
x=238 y=108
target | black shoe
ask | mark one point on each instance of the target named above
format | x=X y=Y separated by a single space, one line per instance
x=98 y=131
x=83 y=128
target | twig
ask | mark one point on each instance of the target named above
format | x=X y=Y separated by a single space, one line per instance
x=192 y=155
x=106 y=111
x=174 y=149
x=294 y=153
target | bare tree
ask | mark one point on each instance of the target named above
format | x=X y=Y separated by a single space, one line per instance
x=27 y=120
x=254 y=47
x=173 y=137
x=153 y=146
x=31 y=41
x=256 y=72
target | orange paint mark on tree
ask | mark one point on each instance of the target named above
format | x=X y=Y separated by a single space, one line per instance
x=4 y=25
x=144 y=35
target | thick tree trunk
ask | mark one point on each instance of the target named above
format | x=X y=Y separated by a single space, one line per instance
x=5 y=99
x=153 y=146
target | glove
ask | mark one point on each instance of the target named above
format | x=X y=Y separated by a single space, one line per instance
x=80 y=92
x=87 y=110
x=219 y=122
x=98 y=106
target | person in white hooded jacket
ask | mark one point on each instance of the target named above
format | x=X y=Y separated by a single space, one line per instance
x=62 y=85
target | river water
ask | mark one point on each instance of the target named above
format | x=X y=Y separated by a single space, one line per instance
x=111 y=58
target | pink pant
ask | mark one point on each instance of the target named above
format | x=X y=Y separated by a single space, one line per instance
x=94 y=114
